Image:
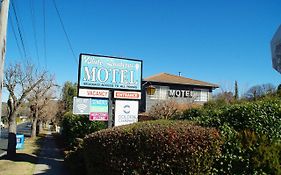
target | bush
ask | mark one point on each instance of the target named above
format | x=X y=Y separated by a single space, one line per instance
x=251 y=134
x=75 y=160
x=246 y=152
x=263 y=117
x=169 y=109
x=164 y=110
x=155 y=147
x=75 y=128
x=78 y=127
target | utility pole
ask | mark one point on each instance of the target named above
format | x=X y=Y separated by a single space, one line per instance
x=3 y=33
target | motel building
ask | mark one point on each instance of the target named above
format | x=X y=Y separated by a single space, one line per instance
x=164 y=86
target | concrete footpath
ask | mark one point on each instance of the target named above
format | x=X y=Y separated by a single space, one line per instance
x=50 y=160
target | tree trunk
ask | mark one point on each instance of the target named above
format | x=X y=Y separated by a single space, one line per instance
x=12 y=141
x=34 y=112
x=34 y=125
x=40 y=126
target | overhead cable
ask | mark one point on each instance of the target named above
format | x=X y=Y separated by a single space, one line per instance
x=33 y=20
x=63 y=27
x=15 y=35
x=19 y=30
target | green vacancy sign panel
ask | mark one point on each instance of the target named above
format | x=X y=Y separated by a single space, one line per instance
x=104 y=72
x=99 y=110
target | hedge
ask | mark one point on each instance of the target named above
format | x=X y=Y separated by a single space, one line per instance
x=74 y=129
x=74 y=126
x=251 y=134
x=153 y=147
x=262 y=117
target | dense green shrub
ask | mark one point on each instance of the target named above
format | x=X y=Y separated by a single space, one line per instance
x=246 y=152
x=191 y=114
x=263 y=117
x=251 y=134
x=75 y=126
x=74 y=158
x=154 y=147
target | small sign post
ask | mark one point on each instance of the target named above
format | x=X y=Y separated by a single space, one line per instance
x=20 y=141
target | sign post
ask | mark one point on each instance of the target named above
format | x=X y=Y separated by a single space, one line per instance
x=110 y=110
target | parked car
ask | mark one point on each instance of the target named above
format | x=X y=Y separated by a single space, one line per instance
x=28 y=125
x=2 y=125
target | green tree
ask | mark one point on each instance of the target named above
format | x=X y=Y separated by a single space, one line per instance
x=69 y=90
x=236 y=96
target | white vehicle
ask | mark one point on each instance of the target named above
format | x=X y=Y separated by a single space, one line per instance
x=2 y=125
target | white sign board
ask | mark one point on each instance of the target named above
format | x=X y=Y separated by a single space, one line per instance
x=276 y=50
x=93 y=93
x=126 y=112
x=127 y=95
x=81 y=105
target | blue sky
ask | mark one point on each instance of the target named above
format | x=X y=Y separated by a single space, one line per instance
x=215 y=41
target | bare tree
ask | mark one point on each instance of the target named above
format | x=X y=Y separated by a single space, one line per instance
x=167 y=109
x=259 y=90
x=49 y=112
x=38 y=99
x=19 y=82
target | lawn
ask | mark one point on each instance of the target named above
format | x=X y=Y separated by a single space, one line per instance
x=25 y=160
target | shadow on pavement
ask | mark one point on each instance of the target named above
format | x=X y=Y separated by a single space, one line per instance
x=22 y=157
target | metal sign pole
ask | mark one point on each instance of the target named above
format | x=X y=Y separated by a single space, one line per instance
x=1 y=124
x=110 y=109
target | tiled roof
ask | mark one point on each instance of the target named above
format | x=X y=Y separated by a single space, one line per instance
x=174 y=79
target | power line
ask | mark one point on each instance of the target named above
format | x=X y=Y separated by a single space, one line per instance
x=16 y=38
x=19 y=30
x=68 y=40
x=34 y=29
x=44 y=32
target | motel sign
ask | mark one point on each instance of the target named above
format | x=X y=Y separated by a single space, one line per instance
x=105 y=72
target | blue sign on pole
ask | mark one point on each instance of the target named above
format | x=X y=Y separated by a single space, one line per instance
x=104 y=72
x=20 y=141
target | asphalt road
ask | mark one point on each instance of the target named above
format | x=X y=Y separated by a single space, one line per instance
x=22 y=128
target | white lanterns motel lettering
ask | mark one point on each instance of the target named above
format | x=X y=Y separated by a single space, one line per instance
x=95 y=74
x=180 y=93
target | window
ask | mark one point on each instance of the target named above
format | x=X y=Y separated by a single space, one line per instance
x=204 y=95
x=160 y=93
x=200 y=95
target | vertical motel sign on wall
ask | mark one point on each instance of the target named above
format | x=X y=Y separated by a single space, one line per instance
x=100 y=75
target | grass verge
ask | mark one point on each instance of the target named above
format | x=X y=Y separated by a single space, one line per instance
x=25 y=160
